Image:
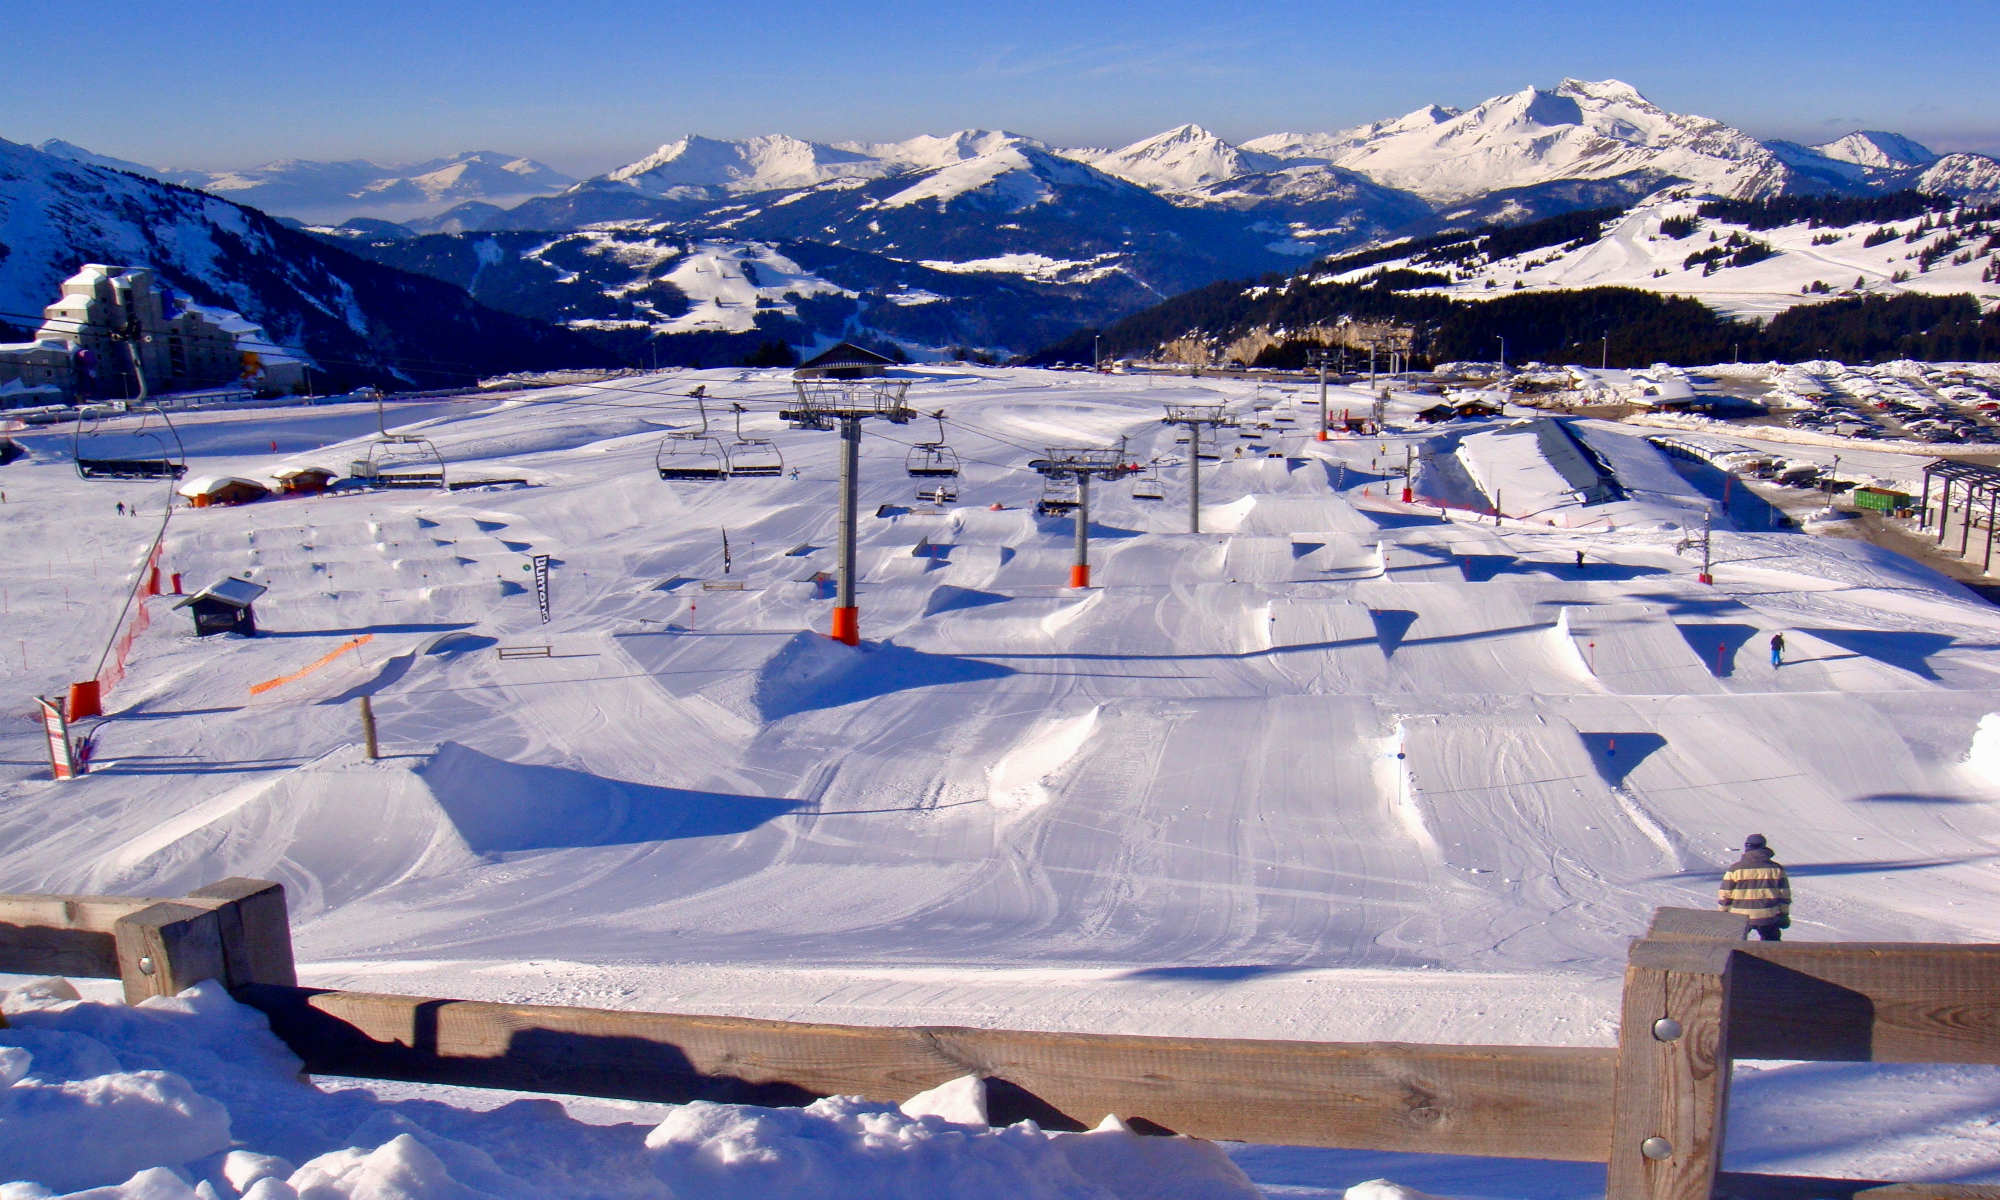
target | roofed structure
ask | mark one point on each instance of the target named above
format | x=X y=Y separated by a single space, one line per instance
x=844 y=360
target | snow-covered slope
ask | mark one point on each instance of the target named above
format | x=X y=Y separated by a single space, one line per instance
x=1336 y=768
x=1663 y=245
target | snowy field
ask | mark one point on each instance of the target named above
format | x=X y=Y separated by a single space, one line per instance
x=1331 y=769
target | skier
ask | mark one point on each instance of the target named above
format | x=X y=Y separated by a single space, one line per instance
x=1579 y=560
x=121 y=508
x=1777 y=650
x=1758 y=888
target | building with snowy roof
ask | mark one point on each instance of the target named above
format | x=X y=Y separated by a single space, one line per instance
x=211 y=491
x=107 y=314
x=225 y=607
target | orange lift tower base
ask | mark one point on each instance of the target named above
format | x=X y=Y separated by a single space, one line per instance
x=1082 y=464
x=823 y=403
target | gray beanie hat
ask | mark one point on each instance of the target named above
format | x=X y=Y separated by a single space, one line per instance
x=1754 y=842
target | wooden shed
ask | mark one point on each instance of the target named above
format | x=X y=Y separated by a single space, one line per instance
x=844 y=360
x=302 y=481
x=225 y=607
x=209 y=491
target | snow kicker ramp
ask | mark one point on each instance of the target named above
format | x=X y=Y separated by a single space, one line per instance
x=1517 y=812
x=1446 y=638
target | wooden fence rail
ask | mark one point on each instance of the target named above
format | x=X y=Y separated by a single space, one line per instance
x=1654 y=1109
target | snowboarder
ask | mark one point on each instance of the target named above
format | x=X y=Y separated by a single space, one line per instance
x=121 y=508
x=1758 y=888
x=1579 y=560
x=1777 y=650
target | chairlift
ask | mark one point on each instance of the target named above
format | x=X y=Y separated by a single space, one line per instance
x=1149 y=486
x=692 y=454
x=932 y=460
x=1061 y=496
x=754 y=457
x=408 y=460
x=116 y=446
x=400 y=460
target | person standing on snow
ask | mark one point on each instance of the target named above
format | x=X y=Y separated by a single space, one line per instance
x=1758 y=888
x=1777 y=649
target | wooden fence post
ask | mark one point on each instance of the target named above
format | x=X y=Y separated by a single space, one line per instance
x=1672 y=1093
x=235 y=931
x=167 y=947
x=256 y=930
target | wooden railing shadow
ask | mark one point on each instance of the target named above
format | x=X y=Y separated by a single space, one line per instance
x=1654 y=1109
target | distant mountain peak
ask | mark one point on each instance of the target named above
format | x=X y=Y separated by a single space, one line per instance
x=1612 y=90
x=1182 y=159
x=1874 y=148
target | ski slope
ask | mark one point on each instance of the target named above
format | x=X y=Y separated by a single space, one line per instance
x=1333 y=768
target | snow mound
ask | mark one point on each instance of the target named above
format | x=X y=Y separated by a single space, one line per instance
x=194 y=1097
x=331 y=831
x=1984 y=756
x=340 y=828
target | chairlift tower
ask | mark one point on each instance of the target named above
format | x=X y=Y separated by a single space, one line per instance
x=1690 y=541
x=1319 y=357
x=823 y=404
x=1194 y=418
x=1081 y=465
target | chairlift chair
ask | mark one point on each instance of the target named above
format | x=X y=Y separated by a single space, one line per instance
x=1060 y=497
x=691 y=454
x=753 y=457
x=1149 y=486
x=401 y=460
x=932 y=460
x=116 y=446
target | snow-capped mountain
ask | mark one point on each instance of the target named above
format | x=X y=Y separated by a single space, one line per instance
x=1873 y=148
x=1970 y=177
x=1181 y=160
x=76 y=153
x=334 y=191
x=356 y=318
x=1603 y=130
x=695 y=167
x=702 y=168
x=328 y=192
x=1325 y=147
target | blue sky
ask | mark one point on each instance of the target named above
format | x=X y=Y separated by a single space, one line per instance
x=588 y=85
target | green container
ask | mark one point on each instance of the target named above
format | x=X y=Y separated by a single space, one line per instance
x=1880 y=500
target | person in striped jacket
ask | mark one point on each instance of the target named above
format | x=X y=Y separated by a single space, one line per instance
x=1758 y=888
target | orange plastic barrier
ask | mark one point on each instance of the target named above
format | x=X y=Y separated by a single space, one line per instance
x=258 y=689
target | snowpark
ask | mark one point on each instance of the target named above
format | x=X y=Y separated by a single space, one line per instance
x=1337 y=767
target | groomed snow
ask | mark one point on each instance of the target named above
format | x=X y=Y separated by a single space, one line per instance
x=1334 y=769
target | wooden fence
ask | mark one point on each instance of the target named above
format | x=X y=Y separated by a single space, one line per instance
x=1653 y=1109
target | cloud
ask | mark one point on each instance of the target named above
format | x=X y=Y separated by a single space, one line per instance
x=1211 y=53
